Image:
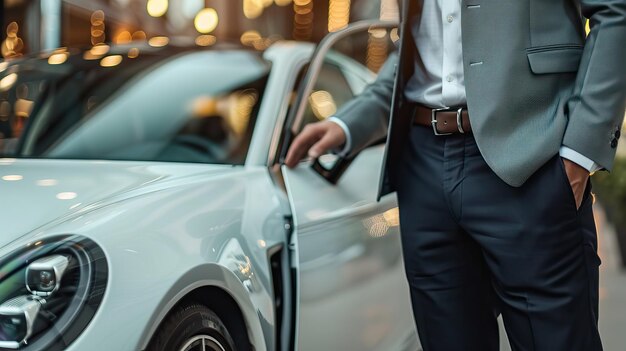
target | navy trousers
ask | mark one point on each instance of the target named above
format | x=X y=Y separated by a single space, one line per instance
x=475 y=247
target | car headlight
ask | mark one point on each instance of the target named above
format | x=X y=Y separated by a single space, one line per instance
x=49 y=292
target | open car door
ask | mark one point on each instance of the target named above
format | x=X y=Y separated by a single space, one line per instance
x=352 y=292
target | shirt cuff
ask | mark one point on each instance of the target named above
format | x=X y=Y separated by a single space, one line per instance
x=579 y=159
x=347 y=147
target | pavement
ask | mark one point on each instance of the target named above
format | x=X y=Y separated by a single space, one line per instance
x=612 y=289
x=612 y=280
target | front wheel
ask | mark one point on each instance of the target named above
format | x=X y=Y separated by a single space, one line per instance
x=192 y=327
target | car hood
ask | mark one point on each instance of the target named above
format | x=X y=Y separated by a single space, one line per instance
x=34 y=193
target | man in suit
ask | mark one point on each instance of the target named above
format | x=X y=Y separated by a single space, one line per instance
x=500 y=111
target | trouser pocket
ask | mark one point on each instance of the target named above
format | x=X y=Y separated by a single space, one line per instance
x=569 y=191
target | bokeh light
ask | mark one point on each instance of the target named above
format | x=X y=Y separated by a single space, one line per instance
x=323 y=104
x=250 y=37
x=57 y=59
x=133 y=53
x=157 y=8
x=205 y=40
x=111 y=61
x=158 y=42
x=206 y=20
x=8 y=82
x=253 y=8
x=338 y=14
x=123 y=37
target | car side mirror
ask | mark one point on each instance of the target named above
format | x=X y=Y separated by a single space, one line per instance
x=331 y=167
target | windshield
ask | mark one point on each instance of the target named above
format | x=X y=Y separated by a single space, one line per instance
x=181 y=107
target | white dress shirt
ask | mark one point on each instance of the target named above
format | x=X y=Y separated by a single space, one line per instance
x=439 y=79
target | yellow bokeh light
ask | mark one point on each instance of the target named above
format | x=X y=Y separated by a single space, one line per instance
x=124 y=37
x=8 y=82
x=392 y=217
x=394 y=35
x=57 y=59
x=23 y=108
x=204 y=106
x=157 y=8
x=111 y=61
x=139 y=36
x=96 y=52
x=97 y=18
x=206 y=20
x=378 y=33
x=389 y=10
x=205 y=40
x=322 y=104
x=12 y=30
x=89 y=56
x=158 y=42
x=377 y=226
x=100 y=50
x=250 y=37
x=338 y=14
x=282 y=2
x=133 y=53
x=241 y=105
x=96 y=32
x=252 y=8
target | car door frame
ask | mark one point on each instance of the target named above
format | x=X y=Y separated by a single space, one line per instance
x=293 y=124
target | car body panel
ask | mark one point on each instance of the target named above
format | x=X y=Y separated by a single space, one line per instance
x=222 y=233
x=49 y=190
x=349 y=260
x=348 y=245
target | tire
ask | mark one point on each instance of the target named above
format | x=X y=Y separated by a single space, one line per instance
x=187 y=327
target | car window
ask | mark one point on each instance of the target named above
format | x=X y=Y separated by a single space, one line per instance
x=347 y=68
x=187 y=107
x=331 y=91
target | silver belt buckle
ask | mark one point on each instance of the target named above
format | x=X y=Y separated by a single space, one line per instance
x=433 y=120
x=459 y=120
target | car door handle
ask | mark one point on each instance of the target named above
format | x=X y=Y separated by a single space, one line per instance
x=334 y=173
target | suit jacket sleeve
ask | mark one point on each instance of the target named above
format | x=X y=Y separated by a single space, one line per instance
x=596 y=109
x=367 y=115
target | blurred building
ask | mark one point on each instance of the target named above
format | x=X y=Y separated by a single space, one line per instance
x=36 y=25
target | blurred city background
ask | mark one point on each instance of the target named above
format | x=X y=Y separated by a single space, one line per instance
x=55 y=26
x=36 y=25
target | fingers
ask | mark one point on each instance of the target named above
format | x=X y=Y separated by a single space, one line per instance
x=326 y=143
x=301 y=144
x=315 y=139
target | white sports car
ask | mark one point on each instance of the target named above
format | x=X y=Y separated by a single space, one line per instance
x=144 y=207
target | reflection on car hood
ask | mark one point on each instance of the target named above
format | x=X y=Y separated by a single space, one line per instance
x=36 y=192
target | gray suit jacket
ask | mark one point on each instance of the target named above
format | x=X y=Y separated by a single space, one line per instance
x=533 y=83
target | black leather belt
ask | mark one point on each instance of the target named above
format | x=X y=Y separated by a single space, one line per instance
x=444 y=121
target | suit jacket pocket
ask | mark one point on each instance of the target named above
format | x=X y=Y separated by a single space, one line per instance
x=555 y=58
